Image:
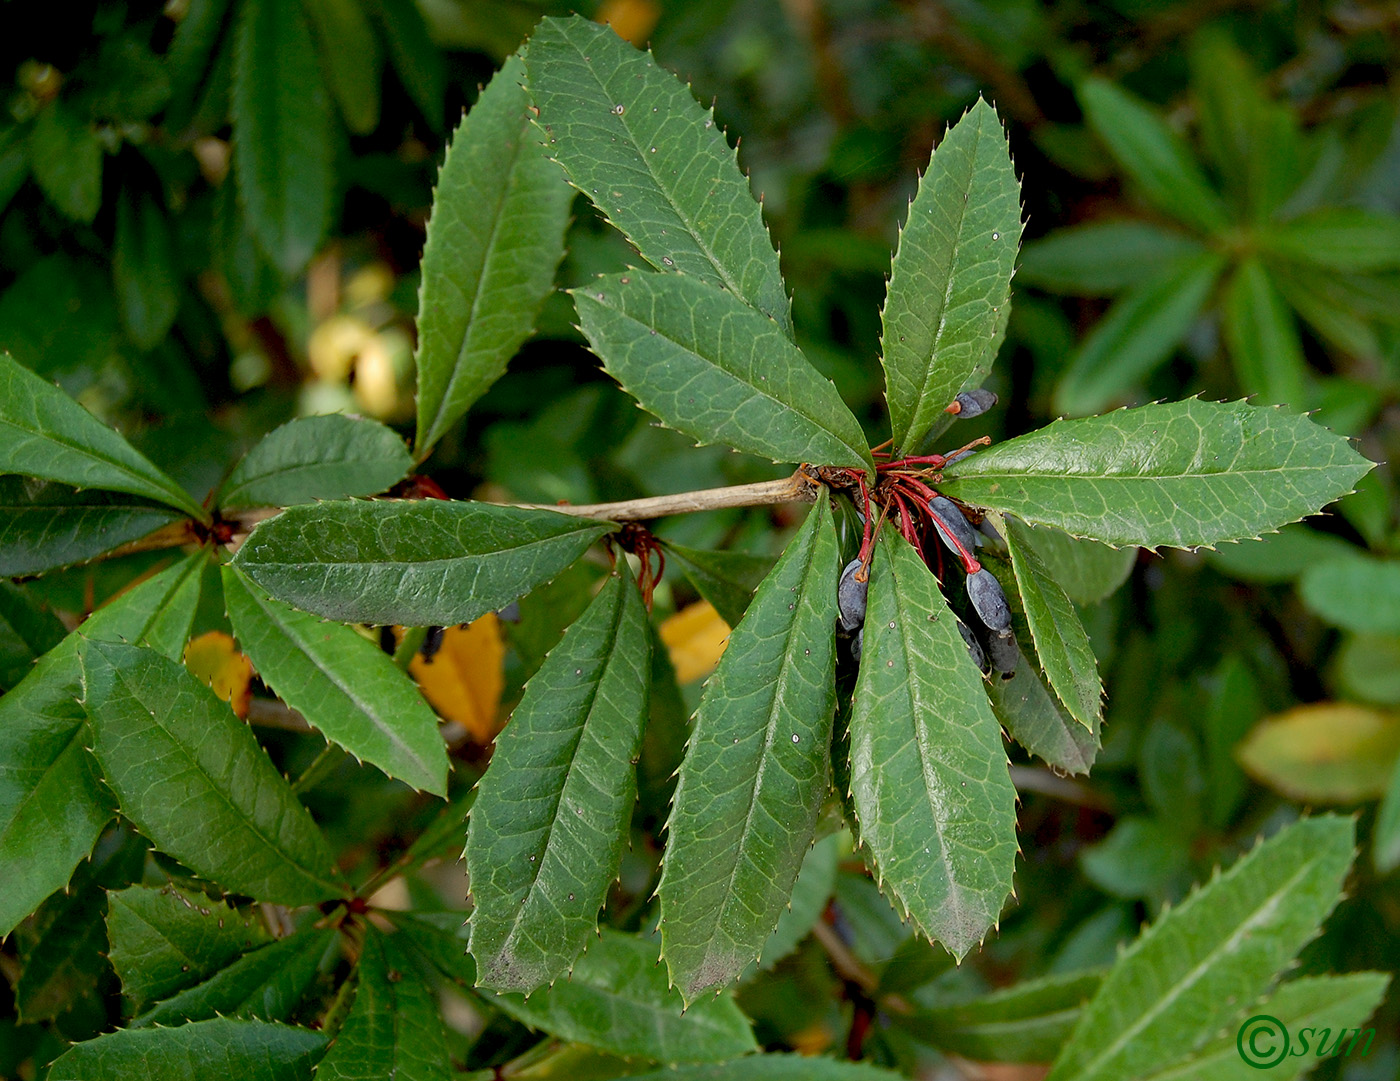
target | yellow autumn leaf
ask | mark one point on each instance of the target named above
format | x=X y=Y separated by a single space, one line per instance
x=695 y=637
x=466 y=676
x=1327 y=752
x=214 y=660
x=631 y=20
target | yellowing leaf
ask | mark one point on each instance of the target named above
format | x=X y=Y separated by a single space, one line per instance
x=1328 y=752
x=631 y=20
x=695 y=637
x=465 y=678
x=215 y=660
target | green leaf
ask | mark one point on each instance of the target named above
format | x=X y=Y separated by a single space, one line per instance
x=66 y=156
x=144 y=269
x=1137 y=334
x=343 y=684
x=1152 y=154
x=394 y=1028
x=545 y=836
x=27 y=632
x=44 y=526
x=193 y=779
x=635 y=142
x=1179 y=474
x=418 y=61
x=810 y=893
x=248 y=1050
x=1385 y=841
x=951 y=276
x=928 y=772
x=1324 y=752
x=52 y=807
x=1089 y=572
x=617 y=999
x=755 y=772
x=164 y=940
x=46 y=434
x=1103 y=257
x=1263 y=338
x=192 y=51
x=1236 y=703
x=351 y=59
x=1034 y=718
x=1281 y=556
x=314 y=458
x=726 y=579
x=60 y=315
x=1186 y=975
x=773 y=1067
x=495 y=236
x=1139 y=858
x=1355 y=592
x=1061 y=643
x=266 y=983
x=716 y=370
x=283 y=132
x=1337 y=238
x=1026 y=1023
x=420 y=563
x=1317 y=1004
x=62 y=959
x=441 y=939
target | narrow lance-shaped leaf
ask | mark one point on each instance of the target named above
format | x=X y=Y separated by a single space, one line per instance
x=194 y=780
x=1101 y=258
x=350 y=55
x=1087 y=570
x=1355 y=591
x=248 y=1050
x=266 y=983
x=144 y=269
x=755 y=772
x=167 y=939
x=545 y=834
x=1061 y=643
x=52 y=806
x=928 y=772
x=1324 y=1004
x=283 y=125
x=1187 y=974
x=343 y=685
x=634 y=141
x=726 y=579
x=44 y=433
x=413 y=563
x=494 y=239
x=713 y=368
x=28 y=630
x=1137 y=334
x=1153 y=154
x=1264 y=345
x=950 y=276
x=44 y=525
x=394 y=1028
x=311 y=458
x=617 y=1000
x=1180 y=474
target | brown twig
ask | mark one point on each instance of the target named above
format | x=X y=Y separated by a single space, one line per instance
x=798 y=488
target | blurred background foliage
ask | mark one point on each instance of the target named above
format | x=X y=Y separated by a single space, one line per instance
x=211 y=213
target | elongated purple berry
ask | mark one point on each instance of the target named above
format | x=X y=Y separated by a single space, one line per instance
x=989 y=601
x=948 y=519
x=850 y=598
x=1003 y=652
x=973 y=403
x=974 y=647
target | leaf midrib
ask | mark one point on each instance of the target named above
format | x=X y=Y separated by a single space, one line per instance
x=223 y=797
x=690 y=229
x=1260 y=914
x=437 y=561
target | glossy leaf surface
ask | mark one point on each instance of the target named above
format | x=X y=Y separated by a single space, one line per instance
x=248 y=1050
x=755 y=771
x=311 y=458
x=634 y=140
x=546 y=832
x=950 y=276
x=410 y=563
x=928 y=772
x=194 y=780
x=494 y=239
x=44 y=433
x=1179 y=474
x=344 y=686
x=716 y=370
